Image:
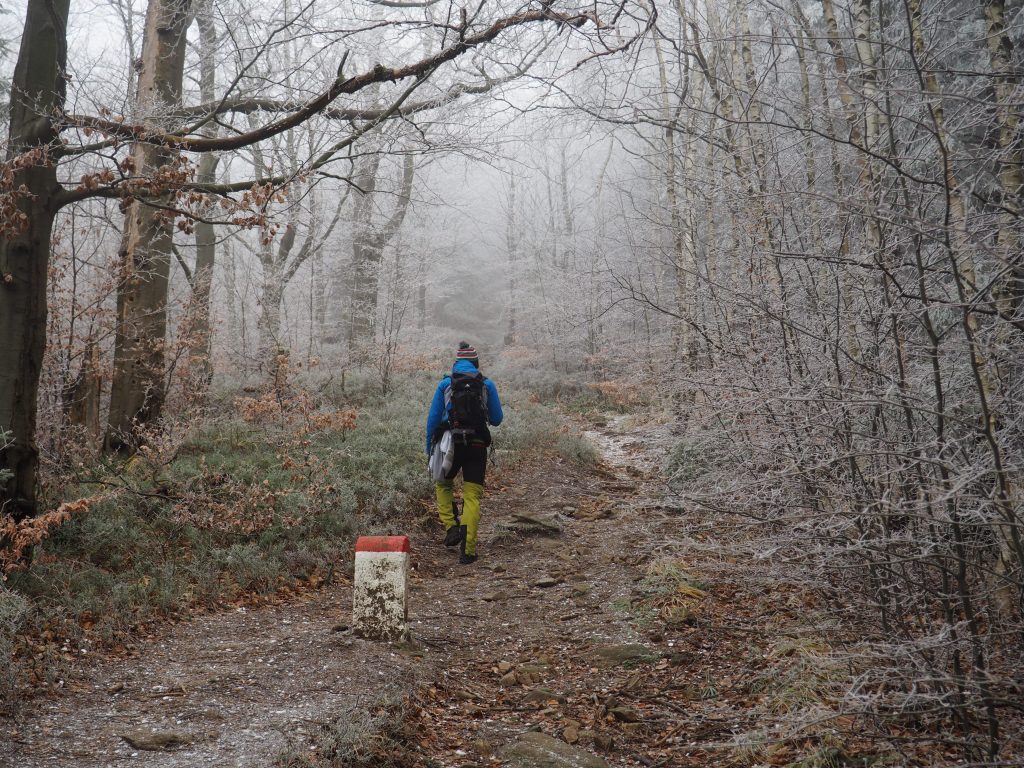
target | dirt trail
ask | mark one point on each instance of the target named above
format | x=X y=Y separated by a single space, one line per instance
x=511 y=644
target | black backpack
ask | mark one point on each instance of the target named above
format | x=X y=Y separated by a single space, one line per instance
x=468 y=416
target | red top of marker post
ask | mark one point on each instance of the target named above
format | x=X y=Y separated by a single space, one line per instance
x=382 y=544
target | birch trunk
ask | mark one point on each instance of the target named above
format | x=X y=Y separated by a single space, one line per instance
x=1006 y=81
x=962 y=266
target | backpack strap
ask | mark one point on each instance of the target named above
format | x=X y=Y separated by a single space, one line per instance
x=447 y=398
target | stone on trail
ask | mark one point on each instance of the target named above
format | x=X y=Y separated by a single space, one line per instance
x=546 y=581
x=543 y=696
x=527 y=676
x=604 y=741
x=613 y=655
x=530 y=674
x=530 y=525
x=538 y=750
x=626 y=715
x=148 y=741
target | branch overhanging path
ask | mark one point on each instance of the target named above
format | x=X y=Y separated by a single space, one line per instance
x=341 y=86
x=296 y=113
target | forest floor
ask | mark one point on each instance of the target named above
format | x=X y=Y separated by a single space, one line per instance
x=585 y=635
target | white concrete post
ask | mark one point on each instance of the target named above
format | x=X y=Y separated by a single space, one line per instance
x=380 y=595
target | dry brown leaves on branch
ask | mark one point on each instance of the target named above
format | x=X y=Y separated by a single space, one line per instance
x=409 y=362
x=620 y=393
x=13 y=221
x=17 y=537
x=297 y=409
x=217 y=502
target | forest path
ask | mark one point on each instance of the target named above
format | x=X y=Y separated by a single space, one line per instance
x=597 y=637
x=560 y=634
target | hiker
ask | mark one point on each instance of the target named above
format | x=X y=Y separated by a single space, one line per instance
x=464 y=404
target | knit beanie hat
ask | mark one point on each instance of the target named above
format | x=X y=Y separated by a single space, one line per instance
x=465 y=352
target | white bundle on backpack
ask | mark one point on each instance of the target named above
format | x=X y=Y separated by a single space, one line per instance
x=442 y=456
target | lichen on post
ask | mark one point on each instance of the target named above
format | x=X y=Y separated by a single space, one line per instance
x=380 y=595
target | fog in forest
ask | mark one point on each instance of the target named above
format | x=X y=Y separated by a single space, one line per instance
x=787 y=235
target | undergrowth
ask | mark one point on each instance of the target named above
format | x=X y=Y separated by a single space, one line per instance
x=265 y=498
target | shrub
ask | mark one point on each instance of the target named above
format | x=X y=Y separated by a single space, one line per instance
x=694 y=456
x=5 y=440
x=247 y=566
x=13 y=612
x=577 y=449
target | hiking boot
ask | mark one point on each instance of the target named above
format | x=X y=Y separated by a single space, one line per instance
x=465 y=559
x=455 y=535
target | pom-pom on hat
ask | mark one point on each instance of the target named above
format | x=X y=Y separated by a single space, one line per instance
x=465 y=352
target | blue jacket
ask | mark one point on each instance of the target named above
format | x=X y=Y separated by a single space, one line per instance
x=438 y=413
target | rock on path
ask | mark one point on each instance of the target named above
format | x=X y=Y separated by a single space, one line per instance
x=536 y=750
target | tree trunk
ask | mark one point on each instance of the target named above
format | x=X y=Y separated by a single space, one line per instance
x=1006 y=81
x=512 y=243
x=82 y=398
x=421 y=292
x=138 y=391
x=271 y=293
x=202 y=285
x=37 y=91
x=362 y=241
x=270 y=318
x=368 y=246
x=206 y=236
